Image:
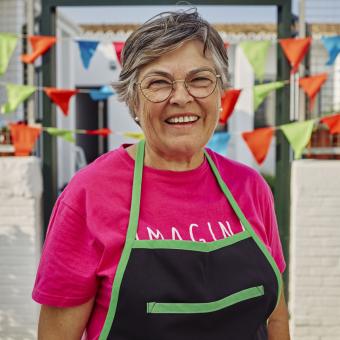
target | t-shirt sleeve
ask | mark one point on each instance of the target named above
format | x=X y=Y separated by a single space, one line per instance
x=272 y=230
x=66 y=274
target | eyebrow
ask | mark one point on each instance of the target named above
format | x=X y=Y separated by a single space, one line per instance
x=168 y=75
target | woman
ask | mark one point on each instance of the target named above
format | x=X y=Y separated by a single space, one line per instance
x=148 y=242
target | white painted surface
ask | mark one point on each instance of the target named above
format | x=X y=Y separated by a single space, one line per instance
x=242 y=118
x=20 y=244
x=336 y=84
x=12 y=14
x=315 y=250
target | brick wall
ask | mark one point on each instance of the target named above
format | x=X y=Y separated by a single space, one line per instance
x=315 y=250
x=20 y=223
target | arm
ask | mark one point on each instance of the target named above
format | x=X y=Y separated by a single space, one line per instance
x=63 y=323
x=278 y=327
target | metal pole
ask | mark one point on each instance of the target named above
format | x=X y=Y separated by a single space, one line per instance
x=101 y=125
x=30 y=67
x=282 y=182
x=48 y=27
x=302 y=34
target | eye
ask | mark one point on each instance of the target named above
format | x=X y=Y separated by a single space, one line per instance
x=155 y=83
x=159 y=82
x=200 y=81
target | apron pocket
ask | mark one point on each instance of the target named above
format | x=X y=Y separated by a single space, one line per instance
x=204 y=307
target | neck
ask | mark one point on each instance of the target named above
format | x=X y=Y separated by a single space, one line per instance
x=175 y=162
x=164 y=161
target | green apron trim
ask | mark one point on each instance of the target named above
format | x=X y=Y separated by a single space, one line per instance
x=204 y=307
x=130 y=237
x=191 y=245
x=246 y=224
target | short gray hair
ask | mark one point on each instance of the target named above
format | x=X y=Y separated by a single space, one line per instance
x=161 y=34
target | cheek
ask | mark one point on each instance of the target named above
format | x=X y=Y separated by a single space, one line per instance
x=213 y=107
x=149 y=115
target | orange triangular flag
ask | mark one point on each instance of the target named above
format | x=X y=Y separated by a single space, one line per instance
x=228 y=102
x=333 y=123
x=24 y=138
x=118 y=45
x=295 y=50
x=40 y=44
x=60 y=97
x=258 y=142
x=311 y=86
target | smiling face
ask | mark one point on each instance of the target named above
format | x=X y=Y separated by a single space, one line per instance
x=181 y=125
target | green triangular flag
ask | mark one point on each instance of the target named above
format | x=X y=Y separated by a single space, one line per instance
x=298 y=135
x=135 y=135
x=64 y=134
x=262 y=91
x=8 y=43
x=256 y=53
x=16 y=94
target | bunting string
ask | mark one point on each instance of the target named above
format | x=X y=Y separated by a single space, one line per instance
x=42 y=88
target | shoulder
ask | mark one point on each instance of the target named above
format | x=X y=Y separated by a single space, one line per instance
x=238 y=174
x=98 y=179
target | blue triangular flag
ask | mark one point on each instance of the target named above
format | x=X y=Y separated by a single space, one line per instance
x=219 y=142
x=101 y=94
x=87 y=49
x=332 y=45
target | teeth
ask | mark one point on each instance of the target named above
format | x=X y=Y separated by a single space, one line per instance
x=182 y=119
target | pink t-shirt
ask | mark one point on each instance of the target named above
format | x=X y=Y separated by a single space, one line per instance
x=88 y=225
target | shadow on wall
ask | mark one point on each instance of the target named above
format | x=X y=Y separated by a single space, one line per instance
x=18 y=312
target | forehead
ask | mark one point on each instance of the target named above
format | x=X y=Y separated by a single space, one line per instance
x=187 y=58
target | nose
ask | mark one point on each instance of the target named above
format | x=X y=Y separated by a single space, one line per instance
x=180 y=94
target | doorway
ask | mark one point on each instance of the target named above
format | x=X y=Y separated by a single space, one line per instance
x=91 y=115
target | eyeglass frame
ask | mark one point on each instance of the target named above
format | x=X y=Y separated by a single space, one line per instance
x=218 y=76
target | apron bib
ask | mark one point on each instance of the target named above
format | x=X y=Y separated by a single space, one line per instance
x=184 y=290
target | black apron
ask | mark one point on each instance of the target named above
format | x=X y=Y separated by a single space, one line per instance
x=184 y=290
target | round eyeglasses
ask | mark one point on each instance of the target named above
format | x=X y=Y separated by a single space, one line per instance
x=158 y=88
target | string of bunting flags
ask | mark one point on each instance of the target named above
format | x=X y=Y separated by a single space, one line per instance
x=258 y=141
x=16 y=94
x=256 y=51
x=25 y=136
x=298 y=133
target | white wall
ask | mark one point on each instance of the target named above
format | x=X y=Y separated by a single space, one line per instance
x=20 y=242
x=242 y=118
x=336 y=84
x=315 y=250
x=65 y=51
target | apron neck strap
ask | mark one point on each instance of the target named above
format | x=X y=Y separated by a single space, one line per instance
x=136 y=192
x=228 y=194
